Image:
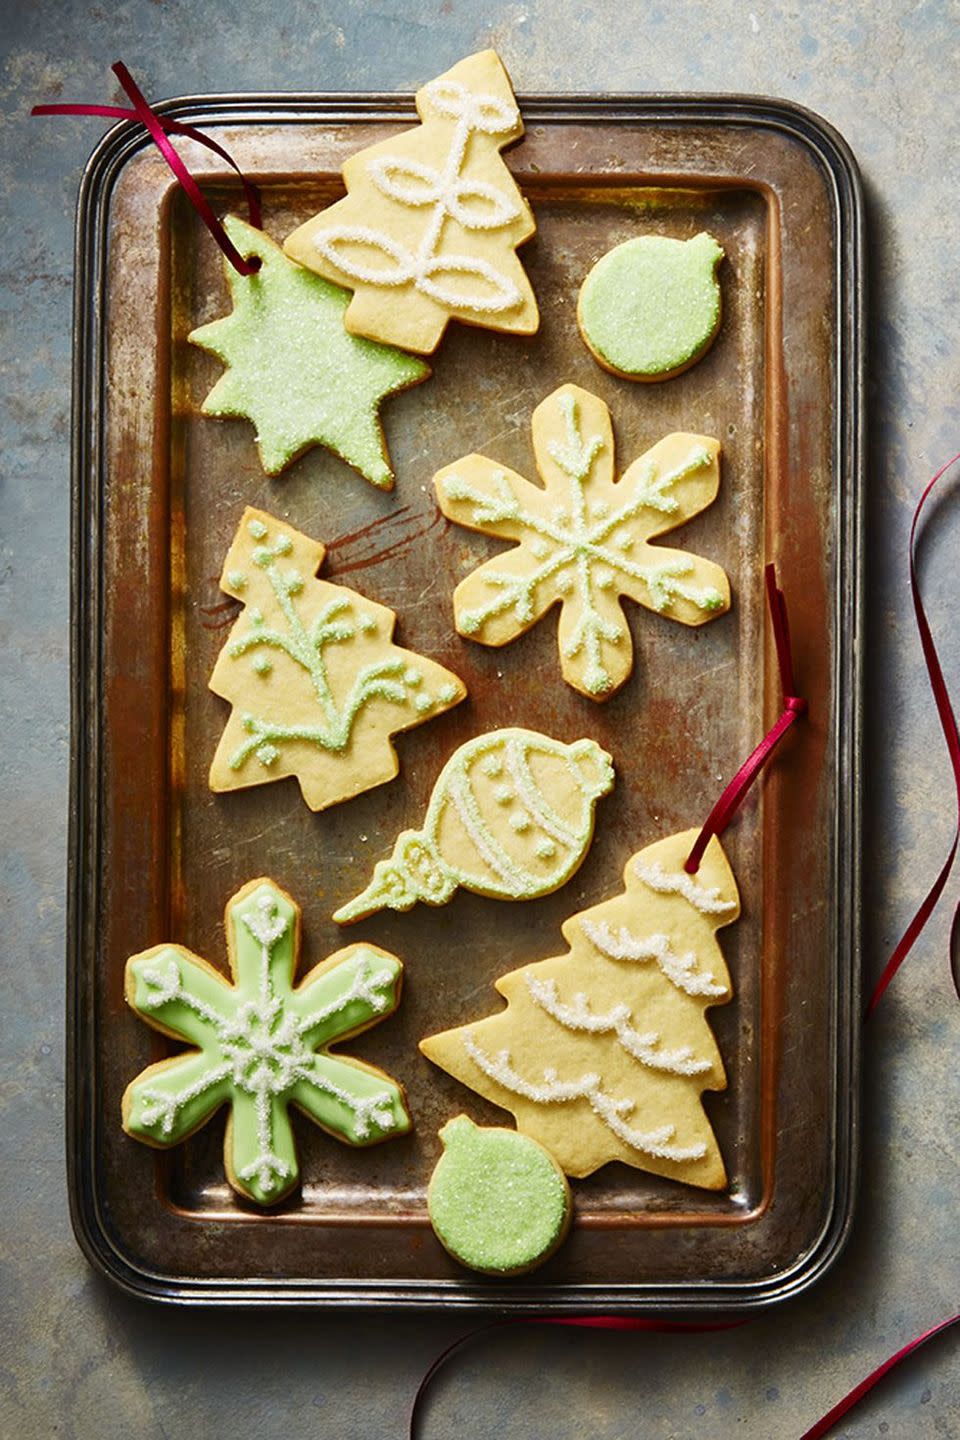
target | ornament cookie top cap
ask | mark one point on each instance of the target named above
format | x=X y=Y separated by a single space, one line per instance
x=429 y=227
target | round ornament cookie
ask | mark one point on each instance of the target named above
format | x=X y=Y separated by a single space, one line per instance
x=650 y=308
x=498 y=1201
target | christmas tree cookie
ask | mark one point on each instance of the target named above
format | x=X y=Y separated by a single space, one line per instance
x=511 y=816
x=262 y=1044
x=582 y=539
x=650 y=308
x=294 y=370
x=498 y=1202
x=429 y=229
x=316 y=684
x=603 y=1053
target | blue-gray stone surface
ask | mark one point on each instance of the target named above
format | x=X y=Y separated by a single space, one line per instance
x=76 y=1359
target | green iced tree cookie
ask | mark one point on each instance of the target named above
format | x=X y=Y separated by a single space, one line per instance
x=262 y=1044
x=294 y=370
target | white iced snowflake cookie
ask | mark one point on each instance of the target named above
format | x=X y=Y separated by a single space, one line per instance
x=582 y=539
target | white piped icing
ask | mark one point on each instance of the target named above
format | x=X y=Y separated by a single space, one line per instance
x=623 y=945
x=607 y=1108
x=678 y=882
x=618 y=1021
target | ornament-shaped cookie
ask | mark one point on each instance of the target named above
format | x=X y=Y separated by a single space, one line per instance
x=262 y=1044
x=511 y=816
x=317 y=686
x=582 y=539
x=498 y=1202
x=429 y=228
x=294 y=370
x=650 y=308
x=603 y=1053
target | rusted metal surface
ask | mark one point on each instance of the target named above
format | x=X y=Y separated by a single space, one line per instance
x=160 y=491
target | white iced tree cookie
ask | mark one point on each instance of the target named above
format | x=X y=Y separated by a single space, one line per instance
x=317 y=686
x=261 y=1044
x=429 y=228
x=603 y=1053
x=582 y=539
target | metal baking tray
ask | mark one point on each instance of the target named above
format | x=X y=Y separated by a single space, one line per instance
x=154 y=855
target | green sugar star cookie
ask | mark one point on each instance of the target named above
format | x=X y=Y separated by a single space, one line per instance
x=498 y=1201
x=293 y=369
x=650 y=307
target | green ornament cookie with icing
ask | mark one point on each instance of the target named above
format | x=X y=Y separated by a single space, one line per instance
x=650 y=308
x=262 y=1044
x=511 y=816
x=498 y=1201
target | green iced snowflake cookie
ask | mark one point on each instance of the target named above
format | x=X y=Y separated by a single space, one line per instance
x=262 y=1044
x=650 y=308
x=498 y=1201
x=293 y=369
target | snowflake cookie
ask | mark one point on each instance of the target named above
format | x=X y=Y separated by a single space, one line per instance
x=583 y=539
x=294 y=370
x=603 y=1053
x=317 y=685
x=429 y=229
x=263 y=1044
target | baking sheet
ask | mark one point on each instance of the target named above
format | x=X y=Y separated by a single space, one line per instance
x=160 y=490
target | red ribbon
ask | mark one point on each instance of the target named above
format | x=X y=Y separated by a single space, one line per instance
x=823 y=1426
x=160 y=128
x=793 y=707
x=949 y=723
x=581 y=1322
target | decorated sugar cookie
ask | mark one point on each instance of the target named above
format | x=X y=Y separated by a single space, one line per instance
x=316 y=684
x=511 y=816
x=294 y=370
x=429 y=229
x=650 y=308
x=603 y=1053
x=498 y=1202
x=262 y=1044
x=582 y=540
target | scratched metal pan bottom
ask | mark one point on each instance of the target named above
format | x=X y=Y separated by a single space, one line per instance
x=158 y=490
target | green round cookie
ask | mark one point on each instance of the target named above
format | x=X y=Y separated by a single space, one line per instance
x=498 y=1201
x=650 y=307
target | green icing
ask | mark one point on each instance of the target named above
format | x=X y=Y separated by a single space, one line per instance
x=651 y=305
x=294 y=370
x=497 y=1200
x=262 y=1045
